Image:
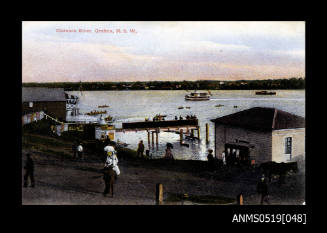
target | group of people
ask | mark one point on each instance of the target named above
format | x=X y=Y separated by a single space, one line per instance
x=168 y=152
x=111 y=169
x=188 y=117
x=262 y=186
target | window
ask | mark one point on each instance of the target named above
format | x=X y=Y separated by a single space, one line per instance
x=288 y=145
x=30 y=104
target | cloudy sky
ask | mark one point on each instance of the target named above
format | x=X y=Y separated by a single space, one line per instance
x=142 y=51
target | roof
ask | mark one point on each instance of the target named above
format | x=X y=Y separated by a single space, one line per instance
x=259 y=118
x=35 y=94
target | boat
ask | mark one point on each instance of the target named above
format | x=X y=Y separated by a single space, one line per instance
x=219 y=105
x=187 y=107
x=103 y=106
x=96 y=113
x=265 y=93
x=197 y=96
x=181 y=107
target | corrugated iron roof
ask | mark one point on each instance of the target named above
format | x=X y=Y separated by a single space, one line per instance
x=260 y=118
x=35 y=94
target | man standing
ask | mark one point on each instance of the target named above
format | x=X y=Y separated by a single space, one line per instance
x=211 y=161
x=29 y=167
x=140 y=149
x=80 y=151
x=262 y=188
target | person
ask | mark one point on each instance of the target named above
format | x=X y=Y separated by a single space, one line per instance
x=223 y=156
x=29 y=167
x=211 y=160
x=262 y=188
x=140 y=149
x=110 y=171
x=180 y=117
x=74 y=149
x=169 y=154
x=112 y=160
x=176 y=118
x=80 y=151
x=107 y=140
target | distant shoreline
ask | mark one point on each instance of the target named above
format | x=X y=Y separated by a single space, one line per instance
x=269 y=84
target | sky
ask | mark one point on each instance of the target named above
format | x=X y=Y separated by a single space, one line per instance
x=167 y=51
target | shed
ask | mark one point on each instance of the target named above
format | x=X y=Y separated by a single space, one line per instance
x=50 y=100
x=269 y=134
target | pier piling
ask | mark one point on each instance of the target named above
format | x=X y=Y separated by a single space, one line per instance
x=207 y=133
x=149 y=138
x=181 y=136
x=157 y=139
x=198 y=128
x=152 y=139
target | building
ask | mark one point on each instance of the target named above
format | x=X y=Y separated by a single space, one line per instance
x=50 y=100
x=260 y=135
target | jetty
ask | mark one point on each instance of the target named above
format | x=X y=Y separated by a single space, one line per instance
x=181 y=127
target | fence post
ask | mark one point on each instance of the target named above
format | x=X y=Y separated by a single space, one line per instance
x=240 y=199
x=159 y=194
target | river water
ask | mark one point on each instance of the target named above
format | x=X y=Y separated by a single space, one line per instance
x=129 y=106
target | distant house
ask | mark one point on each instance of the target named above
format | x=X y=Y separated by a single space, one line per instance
x=50 y=100
x=260 y=134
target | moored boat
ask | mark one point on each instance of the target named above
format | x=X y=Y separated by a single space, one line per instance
x=92 y=113
x=265 y=93
x=103 y=106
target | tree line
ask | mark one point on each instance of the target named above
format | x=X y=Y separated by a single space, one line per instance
x=271 y=84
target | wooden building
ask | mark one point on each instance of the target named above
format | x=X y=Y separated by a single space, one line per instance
x=260 y=135
x=50 y=100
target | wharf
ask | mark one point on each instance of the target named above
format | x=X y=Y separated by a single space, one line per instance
x=155 y=127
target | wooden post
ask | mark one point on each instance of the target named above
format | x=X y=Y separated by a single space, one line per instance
x=181 y=136
x=149 y=138
x=152 y=138
x=198 y=128
x=192 y=133
x=159 y=194
x=240 y=199
x=157 y=138
x=207 y=133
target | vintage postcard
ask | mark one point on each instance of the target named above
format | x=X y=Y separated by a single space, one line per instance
x=163 y=113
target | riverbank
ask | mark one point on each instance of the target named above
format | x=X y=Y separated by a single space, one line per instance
x=60 y=179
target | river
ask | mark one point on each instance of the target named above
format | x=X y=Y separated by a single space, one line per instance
x=128 y=106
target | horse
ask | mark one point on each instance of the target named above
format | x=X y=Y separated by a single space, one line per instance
x=273 y=168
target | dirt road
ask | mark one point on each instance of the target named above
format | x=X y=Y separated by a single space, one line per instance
x=62 y=180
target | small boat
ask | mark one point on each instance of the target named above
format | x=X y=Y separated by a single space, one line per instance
x=265 y=93
x=187 y=107
x=235 y=106
x=92 y=113
x=197 y=96
x=103 y=106
x=219 y=105
x=181 y=107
